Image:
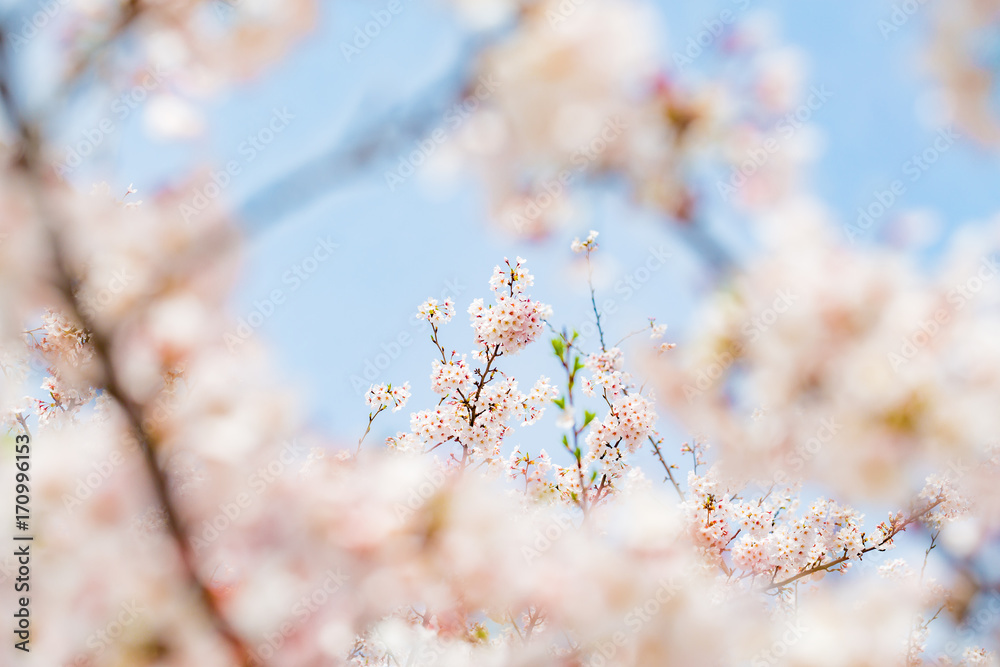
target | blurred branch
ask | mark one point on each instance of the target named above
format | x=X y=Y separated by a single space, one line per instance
x=130 y=11
x=705 y=245
x=32 y=165
x=384 y=139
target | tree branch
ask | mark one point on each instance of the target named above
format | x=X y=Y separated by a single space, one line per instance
x=32 y=165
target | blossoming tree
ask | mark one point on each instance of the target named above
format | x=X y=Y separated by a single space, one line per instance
x=181 y=514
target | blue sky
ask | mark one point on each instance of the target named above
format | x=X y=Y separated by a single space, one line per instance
x=397 y=248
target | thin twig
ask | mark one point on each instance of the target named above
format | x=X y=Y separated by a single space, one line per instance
x=843 y=559
x=670 y=473
x=593 y=301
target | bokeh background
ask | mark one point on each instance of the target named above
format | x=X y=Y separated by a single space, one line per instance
x=427 y=237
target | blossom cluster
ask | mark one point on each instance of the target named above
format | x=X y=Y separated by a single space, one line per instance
x=580 y=93
x=534 y=472
x=175 y=485
x=959 y=64
x=630 y=420
x=436 y=313
x=589 y=244
x=382 y=396
x=769 y=535
x=787 y=339
x=480 y=406
x=514 y=320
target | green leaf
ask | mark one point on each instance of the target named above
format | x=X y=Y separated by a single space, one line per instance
x=577 y=364
x=566 y=441
x=558 y=346
x=593 y=476
x=588 y=416
x=578 y=453
x=561 y=402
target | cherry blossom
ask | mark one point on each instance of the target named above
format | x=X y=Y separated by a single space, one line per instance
x=382 y=396
x=514 y=320
x=703 y=507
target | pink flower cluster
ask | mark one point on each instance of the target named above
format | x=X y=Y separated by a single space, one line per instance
x=479 y=406
x=233 y=528
x=480 y=424
x=589 y=244
x=533 y=471
x=450 y=376
x=769 y=534
x=515 y=320
x=629 y=422
x=436 y=313
x=381 y=396
x=608 y=374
